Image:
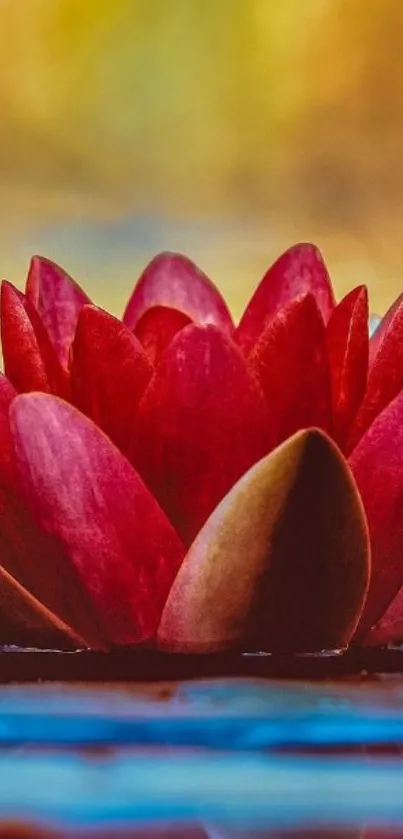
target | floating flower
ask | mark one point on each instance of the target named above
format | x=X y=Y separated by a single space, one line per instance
x=172 y=480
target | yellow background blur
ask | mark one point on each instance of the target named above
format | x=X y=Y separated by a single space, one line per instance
x=225 y=128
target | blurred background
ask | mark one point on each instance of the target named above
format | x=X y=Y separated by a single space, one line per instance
x=228 y=129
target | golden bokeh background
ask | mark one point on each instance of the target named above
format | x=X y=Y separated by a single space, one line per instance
x=224 y=128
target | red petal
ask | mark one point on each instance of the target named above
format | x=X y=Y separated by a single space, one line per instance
x=202 y=422
x=172 y=279
x=291 y=363
x=109 y=373
x=87 y=496
x=8 y=471
x=26 y=622
x=40 y=565
x=389 y=629
x=300 y=269
x=385 y=377
x=281 y=564
x=377 y=465
x=383 y=328
x=58 y=299
x=157 y=327
x=347 y=340
x=30 y=361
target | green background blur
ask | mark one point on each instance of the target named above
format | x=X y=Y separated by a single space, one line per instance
x=224 y=128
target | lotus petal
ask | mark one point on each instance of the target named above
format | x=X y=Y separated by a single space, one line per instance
x=382 y=326
x=86 y=495
x=25 y=621
x=109 y=373
x=282 y=563
x=389 y=629
x=299 y=270
x=202 y=422
x=30 y=360
x=290 y=361
x=171 y=279
x=348 y=346
x=157 y=327
x=58 y=299
x=38 y=562
x=8 y=472
x=377 y=464
x=385 y=377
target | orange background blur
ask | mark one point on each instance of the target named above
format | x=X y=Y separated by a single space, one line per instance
x=224 y=128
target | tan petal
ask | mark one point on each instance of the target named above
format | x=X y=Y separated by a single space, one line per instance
x=281 y=564
x=25 y=621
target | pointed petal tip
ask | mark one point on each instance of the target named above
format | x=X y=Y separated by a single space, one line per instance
x=172 y=279
x=30 y=360
x=299 y=269
x=298 y=390
x=58 y=299
x=109 y=373
x=157 y=327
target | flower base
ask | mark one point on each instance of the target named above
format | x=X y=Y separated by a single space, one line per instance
x=31 y=665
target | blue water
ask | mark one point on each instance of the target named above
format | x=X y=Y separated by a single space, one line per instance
x=229 y=715
x=207 y=755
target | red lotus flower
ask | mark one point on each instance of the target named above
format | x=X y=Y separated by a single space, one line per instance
x=182 y=482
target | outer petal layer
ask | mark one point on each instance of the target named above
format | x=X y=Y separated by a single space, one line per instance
x=389 y=629
x=87 y=496
x=109 y=373
x=30 y=360
x=8 y=473
x=385 y=377
x=377 y=464
x=299 y=270
x=58 y=299
x=41 y=566
x=157 y=327
x=282 y=563
x=382 y=326
x=348 y=346
x=172 y=279
x=202 y=422
x=290 y=361
x=25 y=621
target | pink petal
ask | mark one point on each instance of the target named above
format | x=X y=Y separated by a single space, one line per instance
x=171 y=279
x=202 y=422
x=347 y=340
x=385 y=377
x=281 y=564
x=58 y=299
x=290 y=361
x=109 y=373
x=377 y=464
x=30 y=361
x=157 y=327
x=85 y=494
x=299 y=270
